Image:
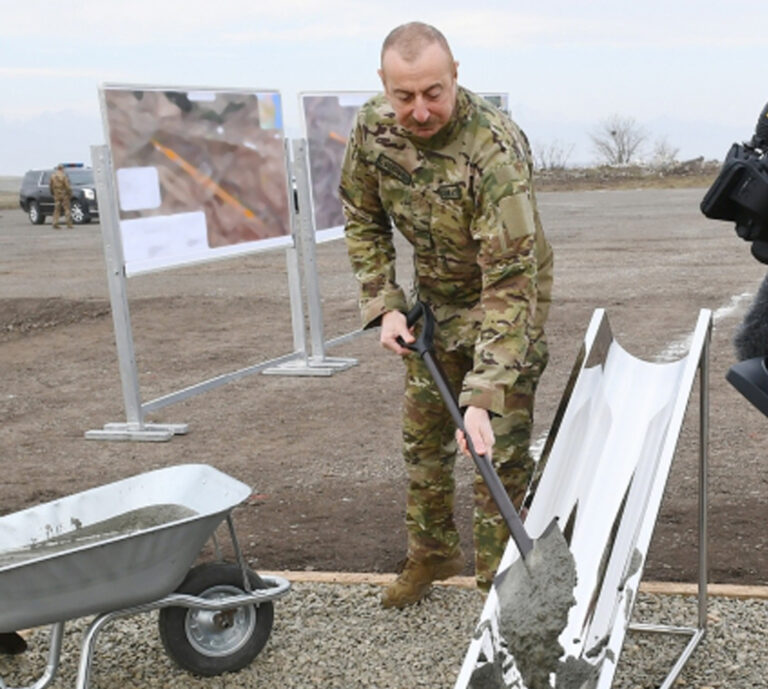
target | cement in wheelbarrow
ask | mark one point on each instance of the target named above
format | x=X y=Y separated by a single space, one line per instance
x=111 y=547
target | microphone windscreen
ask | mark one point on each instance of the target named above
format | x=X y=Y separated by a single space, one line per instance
x=751 y=338
x=761 y=130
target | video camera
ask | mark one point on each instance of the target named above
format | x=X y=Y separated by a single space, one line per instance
x=740 y=192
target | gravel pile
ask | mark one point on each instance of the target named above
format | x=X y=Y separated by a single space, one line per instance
x=336 y=636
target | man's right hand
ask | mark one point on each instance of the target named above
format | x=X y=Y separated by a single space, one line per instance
x=394 y=325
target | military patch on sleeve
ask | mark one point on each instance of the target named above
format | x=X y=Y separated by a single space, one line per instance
x=391 y=167
x=450 y=192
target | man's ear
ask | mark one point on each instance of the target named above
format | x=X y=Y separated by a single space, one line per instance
x=381 y=76
x=455 y=69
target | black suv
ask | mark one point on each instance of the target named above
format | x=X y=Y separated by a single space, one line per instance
x=36 y=200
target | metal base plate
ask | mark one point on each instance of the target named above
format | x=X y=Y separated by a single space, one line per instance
x=326 y=366
x=148 y=432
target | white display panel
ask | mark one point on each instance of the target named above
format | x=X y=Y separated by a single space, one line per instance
x=200 y=174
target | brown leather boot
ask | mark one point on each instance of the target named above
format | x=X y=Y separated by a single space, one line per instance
x=12 y=643
x=414 y=581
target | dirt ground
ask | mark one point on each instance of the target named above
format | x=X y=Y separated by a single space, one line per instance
x=322 y=453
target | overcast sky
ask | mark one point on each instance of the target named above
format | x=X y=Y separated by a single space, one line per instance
x=692 y=74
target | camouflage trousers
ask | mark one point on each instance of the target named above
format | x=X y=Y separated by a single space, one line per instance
x=430 y=449
x=61 y=206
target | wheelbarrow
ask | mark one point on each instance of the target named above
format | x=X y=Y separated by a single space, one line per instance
x=128 y=547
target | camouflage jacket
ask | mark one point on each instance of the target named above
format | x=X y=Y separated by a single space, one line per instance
x=59 y=184
x=464 y=200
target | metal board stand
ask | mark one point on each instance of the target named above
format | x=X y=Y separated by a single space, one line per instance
x=135 y=427
x=698 y=632
x=317 y=364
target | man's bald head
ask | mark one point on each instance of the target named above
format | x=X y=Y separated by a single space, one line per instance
x=409 y=40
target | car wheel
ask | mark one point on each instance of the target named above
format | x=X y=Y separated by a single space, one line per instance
x=36 y=216
x=79 y=213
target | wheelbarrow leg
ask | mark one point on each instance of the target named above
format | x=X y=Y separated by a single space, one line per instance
x=239 y=555
x=89 y=642
x=54 y=654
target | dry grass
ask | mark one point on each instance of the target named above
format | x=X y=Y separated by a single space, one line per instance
x=693 y=174
x=9 y=200
x=570 y=183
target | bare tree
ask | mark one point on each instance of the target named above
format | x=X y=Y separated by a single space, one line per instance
x=664 y=155
x=617 y=140
x=552 y=156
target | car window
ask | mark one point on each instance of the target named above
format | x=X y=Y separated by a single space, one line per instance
x=80 y=176
x=45 y=178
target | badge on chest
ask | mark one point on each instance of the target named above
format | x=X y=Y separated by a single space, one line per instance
x=389 y=166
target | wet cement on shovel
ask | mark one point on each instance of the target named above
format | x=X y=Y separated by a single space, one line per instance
x=535 y=596
x=489 y=674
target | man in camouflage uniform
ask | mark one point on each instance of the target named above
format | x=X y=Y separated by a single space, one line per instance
x=62 y=193
x=453 y=174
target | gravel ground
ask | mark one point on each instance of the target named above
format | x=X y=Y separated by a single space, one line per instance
x=336 y=636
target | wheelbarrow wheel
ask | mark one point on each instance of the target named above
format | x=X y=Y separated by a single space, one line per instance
x=210 y=642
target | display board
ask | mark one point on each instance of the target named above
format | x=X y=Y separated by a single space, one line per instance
x=327 y=120
x=500 y=100
x=199 y=174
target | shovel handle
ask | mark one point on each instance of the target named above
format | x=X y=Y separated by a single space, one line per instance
x=424 y=347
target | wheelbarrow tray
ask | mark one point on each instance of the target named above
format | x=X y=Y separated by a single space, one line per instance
x=112 y=547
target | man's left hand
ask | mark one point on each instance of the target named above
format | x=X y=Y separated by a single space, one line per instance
x=477 y=423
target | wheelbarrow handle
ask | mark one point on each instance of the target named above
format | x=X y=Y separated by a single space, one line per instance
x=424 y=347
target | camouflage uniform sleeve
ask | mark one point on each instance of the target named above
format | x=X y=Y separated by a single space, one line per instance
x=368 y=234
x=505 y=226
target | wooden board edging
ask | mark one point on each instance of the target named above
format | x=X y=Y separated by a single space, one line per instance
x=664 y=588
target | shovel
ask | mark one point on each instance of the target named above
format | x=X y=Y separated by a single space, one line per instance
x=536 y=592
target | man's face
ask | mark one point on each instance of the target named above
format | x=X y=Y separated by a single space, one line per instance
x=423 y=92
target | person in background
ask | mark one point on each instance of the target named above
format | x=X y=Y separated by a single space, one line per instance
x=61 y=190
x=453 y=174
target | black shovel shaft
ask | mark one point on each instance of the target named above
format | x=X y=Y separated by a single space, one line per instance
x=423 y=346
